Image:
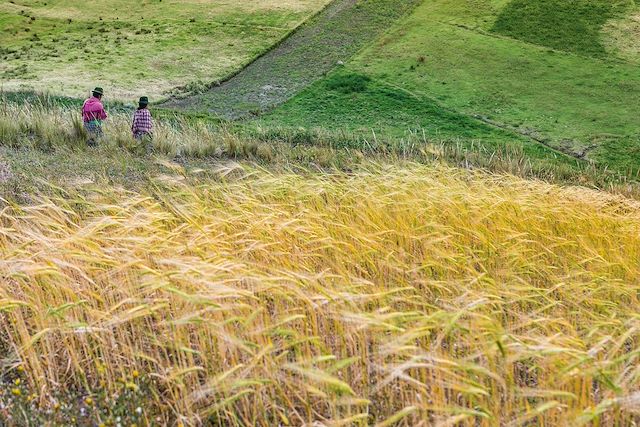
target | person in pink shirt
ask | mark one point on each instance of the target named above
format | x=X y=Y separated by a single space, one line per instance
x=93 y=114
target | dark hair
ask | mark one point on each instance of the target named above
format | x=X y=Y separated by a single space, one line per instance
x=97 y=95
x=142 y=106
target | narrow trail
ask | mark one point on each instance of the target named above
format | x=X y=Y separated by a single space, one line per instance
x=332 y=36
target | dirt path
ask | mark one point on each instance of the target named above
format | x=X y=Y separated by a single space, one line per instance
x=332 y=36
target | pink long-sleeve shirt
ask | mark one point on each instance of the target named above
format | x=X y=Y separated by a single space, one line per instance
x=93 y=110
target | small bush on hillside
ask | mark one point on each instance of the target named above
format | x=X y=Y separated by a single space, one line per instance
x=348 y=83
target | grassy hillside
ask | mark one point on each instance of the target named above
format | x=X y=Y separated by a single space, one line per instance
x=573 y=26
x=545 y=69
x=332 y=36
x=130 y=47
x=393 y=295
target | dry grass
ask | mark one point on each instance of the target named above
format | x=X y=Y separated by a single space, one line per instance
x=421 y=295
x=49 y=128
x=622 y=37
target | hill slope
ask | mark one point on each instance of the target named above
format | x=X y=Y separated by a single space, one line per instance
x=563 y=83
x=333 y=36
x=131 y=46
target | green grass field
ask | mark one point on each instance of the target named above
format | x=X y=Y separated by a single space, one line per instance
x=129 y=47
x=564 y=83
x=570 y=26
x=374 y=108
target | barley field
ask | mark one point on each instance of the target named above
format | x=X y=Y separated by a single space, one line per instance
x=392 y=295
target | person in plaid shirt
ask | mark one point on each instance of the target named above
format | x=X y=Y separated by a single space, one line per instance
x=142 y=125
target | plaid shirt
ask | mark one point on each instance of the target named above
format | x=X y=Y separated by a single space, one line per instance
x=142 y=122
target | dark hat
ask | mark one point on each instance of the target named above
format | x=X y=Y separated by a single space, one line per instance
x=144 y=100
x=99 y=91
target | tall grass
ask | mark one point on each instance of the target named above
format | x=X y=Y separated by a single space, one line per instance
x=422 y=295
x=44 y=126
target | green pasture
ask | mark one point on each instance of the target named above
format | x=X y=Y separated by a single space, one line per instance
x=152 y=46
x=546 y=71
